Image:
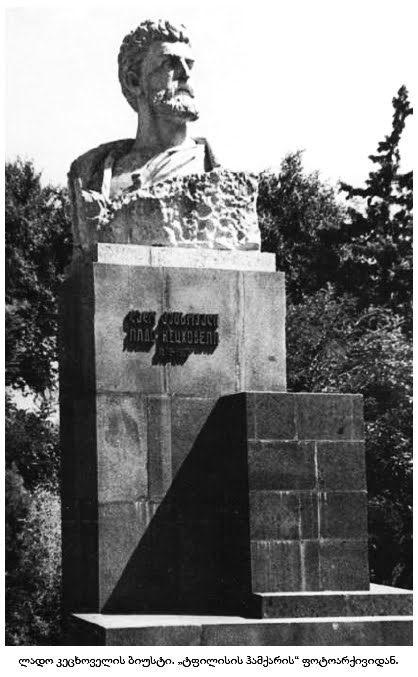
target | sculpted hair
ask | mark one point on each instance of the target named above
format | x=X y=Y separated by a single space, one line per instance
x=135 y=46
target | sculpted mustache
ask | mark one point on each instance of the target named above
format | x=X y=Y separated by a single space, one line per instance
x=168 y=96
x=185 y=88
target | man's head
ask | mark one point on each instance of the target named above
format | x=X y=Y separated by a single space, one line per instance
x=155 y=62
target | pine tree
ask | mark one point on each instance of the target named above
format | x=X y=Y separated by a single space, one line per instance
x=376 y=257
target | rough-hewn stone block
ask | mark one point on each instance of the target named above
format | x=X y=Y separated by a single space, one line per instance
x=210 y=210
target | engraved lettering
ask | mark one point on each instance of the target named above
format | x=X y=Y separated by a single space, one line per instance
x=175 y=337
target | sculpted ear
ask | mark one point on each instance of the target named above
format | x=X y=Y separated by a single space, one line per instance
x=133 y=82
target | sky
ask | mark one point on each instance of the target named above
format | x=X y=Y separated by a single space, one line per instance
x=271 y=77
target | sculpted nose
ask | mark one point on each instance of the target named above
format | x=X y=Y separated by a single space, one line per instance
x=184 y=70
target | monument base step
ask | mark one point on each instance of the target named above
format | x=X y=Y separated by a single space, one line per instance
x=379 y=617
x=380 y=600
x=101 y=630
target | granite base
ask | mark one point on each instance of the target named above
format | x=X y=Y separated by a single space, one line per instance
x=380 y=617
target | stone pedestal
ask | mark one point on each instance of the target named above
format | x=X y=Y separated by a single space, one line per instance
x=193 y=484
x=129 y=416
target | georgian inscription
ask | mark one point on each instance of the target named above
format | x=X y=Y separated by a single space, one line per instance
x=176 y=336
x=139 y=329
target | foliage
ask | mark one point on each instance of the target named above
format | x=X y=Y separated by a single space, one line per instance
x=348 y=279
x=33 y=527
x=32 y=445
x=33 y=563
x=333 y=348
x=376 y=257
x=37 y=251
x=300 y=221
x=363 y=249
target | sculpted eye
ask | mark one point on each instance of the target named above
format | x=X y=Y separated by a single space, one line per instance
x=190 y=63
x=170 y=62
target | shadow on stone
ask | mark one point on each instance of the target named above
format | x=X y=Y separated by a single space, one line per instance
x=194 y=557
x=175 y=343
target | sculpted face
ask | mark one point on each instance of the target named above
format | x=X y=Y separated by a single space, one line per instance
x=165 y=80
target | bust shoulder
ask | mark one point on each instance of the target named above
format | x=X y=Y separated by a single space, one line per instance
x=88 y=168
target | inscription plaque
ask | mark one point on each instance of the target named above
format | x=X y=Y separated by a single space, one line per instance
x=175 y=337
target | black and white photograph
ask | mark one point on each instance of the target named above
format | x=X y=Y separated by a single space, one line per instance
x=208 y=335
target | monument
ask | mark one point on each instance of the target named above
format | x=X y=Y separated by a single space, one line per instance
x=201 y=502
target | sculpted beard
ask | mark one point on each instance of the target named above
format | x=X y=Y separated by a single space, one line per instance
x=181 y=105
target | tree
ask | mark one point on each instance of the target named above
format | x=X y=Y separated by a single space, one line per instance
x=331 y=347
x=38 y=245
x=344 y=334
x=376 y=256
x=33 y=564
x=32 y=445
x=300 y=221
